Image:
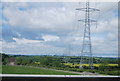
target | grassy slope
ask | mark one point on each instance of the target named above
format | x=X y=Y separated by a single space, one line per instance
x=30 y=70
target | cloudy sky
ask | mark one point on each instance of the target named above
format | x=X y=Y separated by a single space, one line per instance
x=52 y=28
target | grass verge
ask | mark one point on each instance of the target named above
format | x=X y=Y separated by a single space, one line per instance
x=6 y=69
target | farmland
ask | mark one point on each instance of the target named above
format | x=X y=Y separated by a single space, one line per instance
x=95 y=65
x=107 y=66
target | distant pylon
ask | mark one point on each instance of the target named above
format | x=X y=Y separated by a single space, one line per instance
x=67 y=53
x=86 y=46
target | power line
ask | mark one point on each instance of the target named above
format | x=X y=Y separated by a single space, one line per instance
x=107 y=11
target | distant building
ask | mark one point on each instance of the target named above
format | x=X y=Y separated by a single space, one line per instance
x=12 y=61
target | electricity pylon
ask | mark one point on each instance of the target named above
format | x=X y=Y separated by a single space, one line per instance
x=66 y=54
x=86 y=46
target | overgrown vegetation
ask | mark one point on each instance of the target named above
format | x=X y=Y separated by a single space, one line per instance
x=101 y=65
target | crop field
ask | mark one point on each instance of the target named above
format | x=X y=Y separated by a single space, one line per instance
x=30 y=70
x=97 y=65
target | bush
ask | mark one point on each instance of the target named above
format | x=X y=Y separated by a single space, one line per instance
x=109 y=72
x=112 y=72
x=96 y=68
x=76 y=66
x=93 y=71
x=78 y=70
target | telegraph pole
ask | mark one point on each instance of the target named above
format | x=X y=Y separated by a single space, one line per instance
x=87 y=46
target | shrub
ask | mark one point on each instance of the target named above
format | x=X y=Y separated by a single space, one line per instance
x=78 y=70
x=112 y=72
x=76 y=66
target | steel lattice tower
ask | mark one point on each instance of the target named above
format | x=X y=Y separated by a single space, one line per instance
x=87 y=46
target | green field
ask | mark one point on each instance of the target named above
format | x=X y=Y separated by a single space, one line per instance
x=30 y=70
x=101 y=65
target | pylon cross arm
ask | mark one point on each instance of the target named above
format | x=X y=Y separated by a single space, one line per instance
x=88 y=9
x=89 y=20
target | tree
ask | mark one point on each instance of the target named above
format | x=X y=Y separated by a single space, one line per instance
x=5 y=58
x=19 y=60
x=104 y=66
